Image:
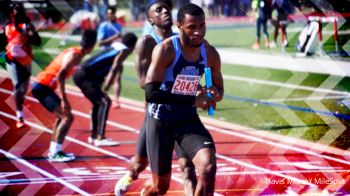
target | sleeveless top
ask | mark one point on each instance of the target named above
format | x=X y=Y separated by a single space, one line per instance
x=18 y=47
x=98 y=66
x=174 y=82
x=48 y=77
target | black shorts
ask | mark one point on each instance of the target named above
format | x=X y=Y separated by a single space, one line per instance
x=191 y=135
x=90 y=88
x=46 y=96
x=141 y=149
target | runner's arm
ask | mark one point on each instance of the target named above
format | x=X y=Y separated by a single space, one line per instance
x=117 y=63
x=143 y=56
x=214 y=63
x=69 y=61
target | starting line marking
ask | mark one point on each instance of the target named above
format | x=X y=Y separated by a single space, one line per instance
x=43 y=172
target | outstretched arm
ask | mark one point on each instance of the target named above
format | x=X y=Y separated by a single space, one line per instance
x=117 y=63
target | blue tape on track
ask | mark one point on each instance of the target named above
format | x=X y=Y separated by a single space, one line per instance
x=321 y=112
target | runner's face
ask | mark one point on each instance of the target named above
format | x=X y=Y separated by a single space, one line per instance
x=111 y=15
x=193 y=30
x=159 y=15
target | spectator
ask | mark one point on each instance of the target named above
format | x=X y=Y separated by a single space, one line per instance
x=137 y=8
x=262 y=9
x=282 y=8
x=209 y=4
x=110 y=30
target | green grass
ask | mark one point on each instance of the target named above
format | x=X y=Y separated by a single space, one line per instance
x=251 y=104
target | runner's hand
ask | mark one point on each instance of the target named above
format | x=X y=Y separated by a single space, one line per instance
x=215 y=93
x=202 y=100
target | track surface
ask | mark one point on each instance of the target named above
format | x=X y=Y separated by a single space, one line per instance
x=248 y=164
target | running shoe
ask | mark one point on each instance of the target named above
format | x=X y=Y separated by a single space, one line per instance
x=20 y=123
x=142 y=193
x=273 y=44
x=61 y=157
x=105 y=142
x=285 y=43
x=115 y=104
x=122 y=186
x=91 y=140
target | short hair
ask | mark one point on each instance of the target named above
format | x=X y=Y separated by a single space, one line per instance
x=129 y=39
x=112 y=8
x=169 y=3
x=190 y=9
x=88 y=38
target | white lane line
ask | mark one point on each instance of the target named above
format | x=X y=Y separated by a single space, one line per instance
x=78 y=113
x=319 y=98
x=258 y=139
x=43 y=172
x=223 y=131
x=280 y=84
x=276 y=173
x=113 y=177
x=304 y=182
x=277 y=144
x=103 y=151
x=130 y=128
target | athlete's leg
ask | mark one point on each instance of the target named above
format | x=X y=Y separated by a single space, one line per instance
x=66 y=119
x=20 y=92
x=94 y=120
x=187 y=169
x=137 y=164
x=198 y=145
x=20 y=76
x=160 y=144
x=49 y=99
x=117 y=88
x=188 y=175
x=205 y=163
x=140 y=161
x=102 y=114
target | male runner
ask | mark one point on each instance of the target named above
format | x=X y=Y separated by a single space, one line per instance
x=159 y=16
x=55 y=75
x=176 y=63
x=20 y=34
x=94 y=78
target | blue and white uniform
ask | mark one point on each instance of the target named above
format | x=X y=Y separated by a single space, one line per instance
x=183 y=67
x=100 y=64
x=90 y=77
x=170 y=123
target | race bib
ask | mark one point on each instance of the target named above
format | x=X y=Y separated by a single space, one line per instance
x=185 y=85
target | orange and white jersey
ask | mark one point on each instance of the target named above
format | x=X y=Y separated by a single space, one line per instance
x=18 y=47
x=48 y=77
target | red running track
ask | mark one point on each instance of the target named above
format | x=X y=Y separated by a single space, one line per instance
x=249 y=162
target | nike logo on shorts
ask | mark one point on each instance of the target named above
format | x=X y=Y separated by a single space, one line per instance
x=207 y=143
